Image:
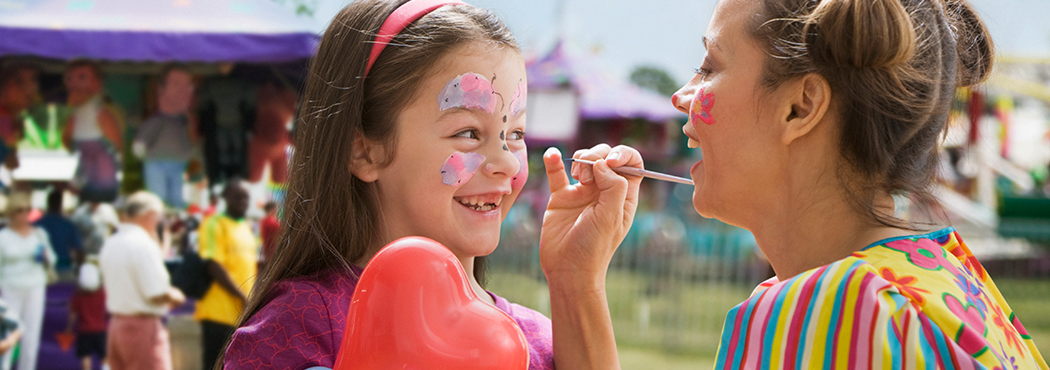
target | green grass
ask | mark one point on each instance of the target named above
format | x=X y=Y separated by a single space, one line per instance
x=665 y=322
x=660 y=323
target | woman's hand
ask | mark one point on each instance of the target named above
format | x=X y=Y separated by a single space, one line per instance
x=585 y=223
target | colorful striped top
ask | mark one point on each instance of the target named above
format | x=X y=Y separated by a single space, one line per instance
x=919 y=302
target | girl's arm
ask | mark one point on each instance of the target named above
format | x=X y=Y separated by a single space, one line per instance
x=583 y=226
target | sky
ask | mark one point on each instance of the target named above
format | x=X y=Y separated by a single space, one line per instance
x=624 y=34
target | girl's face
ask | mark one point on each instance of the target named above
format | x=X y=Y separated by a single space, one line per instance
x=731 y=119
x=459 y=161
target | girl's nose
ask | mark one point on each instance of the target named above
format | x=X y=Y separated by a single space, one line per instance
x=501 y=161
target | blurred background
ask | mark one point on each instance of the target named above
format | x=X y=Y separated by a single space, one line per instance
x=599 y=72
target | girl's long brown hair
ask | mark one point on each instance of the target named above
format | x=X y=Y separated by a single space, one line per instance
x=330 y=218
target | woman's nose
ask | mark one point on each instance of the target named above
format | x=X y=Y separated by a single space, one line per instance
x=683 y=98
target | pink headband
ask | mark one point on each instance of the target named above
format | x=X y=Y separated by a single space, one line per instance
x=397 y=21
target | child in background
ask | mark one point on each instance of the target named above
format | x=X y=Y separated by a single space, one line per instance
x=269 y=227
x=419 y=136
x=87 y=309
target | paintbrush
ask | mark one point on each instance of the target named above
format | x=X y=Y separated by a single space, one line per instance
x=632 y=171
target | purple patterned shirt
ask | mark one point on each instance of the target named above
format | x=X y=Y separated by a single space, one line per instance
x=302 y=326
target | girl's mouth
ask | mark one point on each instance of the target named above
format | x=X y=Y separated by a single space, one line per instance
x=480 y=203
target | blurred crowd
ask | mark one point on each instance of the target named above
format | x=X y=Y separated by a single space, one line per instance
x=121 y=228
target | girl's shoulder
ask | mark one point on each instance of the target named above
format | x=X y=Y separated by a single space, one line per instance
x=301 y=325
x=521 y=313
x=537 y=330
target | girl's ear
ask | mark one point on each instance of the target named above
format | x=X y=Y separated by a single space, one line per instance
x=364 y=161
x=809 y=105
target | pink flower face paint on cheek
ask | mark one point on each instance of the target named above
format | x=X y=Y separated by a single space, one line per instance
x=460 y=168
x=705 y=102
x=520 y=98
x=469 y=90
x=518 y=181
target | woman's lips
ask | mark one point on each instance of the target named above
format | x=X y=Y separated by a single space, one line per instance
x=695 y=165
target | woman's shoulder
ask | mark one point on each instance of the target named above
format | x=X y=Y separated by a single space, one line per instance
x=909 y=292
x=301 y=325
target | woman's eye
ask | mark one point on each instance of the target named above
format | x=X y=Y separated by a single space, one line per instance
x=704 y=69
x=516 y=135
x=467 y=134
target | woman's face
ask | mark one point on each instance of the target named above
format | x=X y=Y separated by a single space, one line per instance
x=731 y=119
x=459 y=162
x=20 y=214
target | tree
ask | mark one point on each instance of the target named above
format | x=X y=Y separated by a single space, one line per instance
x=655 y=79
x=302 y=7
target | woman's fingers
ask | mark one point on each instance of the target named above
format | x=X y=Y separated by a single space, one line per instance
x=555 y=169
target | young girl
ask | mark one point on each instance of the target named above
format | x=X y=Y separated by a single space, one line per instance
x=421 y=134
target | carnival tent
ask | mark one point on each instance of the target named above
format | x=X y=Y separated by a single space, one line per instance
x=155 y=30
x=565 y=88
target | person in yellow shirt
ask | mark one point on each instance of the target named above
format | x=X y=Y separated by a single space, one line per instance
x=231 y=251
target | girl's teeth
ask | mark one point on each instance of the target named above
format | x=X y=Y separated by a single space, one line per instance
x=693 y=143
x=477 y=204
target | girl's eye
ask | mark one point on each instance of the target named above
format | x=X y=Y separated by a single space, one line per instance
x=467 y=134
x=516 y=135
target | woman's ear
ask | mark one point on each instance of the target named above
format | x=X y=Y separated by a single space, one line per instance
x=364 y=161
x=810 y=102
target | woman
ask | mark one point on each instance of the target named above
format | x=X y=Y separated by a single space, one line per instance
x=25 y=258
x=811 y=115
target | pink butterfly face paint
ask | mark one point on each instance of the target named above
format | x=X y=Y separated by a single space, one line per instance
x=469 y=90
x=520 y=98
x=518 y=181
x=704 y=102
x=460 y=167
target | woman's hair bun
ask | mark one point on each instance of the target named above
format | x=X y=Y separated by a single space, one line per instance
x=976 y=52
x=860 y=33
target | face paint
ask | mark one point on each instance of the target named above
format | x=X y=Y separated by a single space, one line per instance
x=518 y=181
x=460 y=167
x=520 y=98
x=705 y=102
x=469 y=90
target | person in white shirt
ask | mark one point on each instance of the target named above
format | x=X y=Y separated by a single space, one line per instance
x=138 y=288
x=25 y=258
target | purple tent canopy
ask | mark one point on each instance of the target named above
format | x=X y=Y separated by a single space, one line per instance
x=601 y=97
x=155 y=31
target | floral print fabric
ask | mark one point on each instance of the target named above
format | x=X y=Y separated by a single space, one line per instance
x=912 y=302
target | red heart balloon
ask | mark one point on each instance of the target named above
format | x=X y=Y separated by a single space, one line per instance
x=413 y=308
